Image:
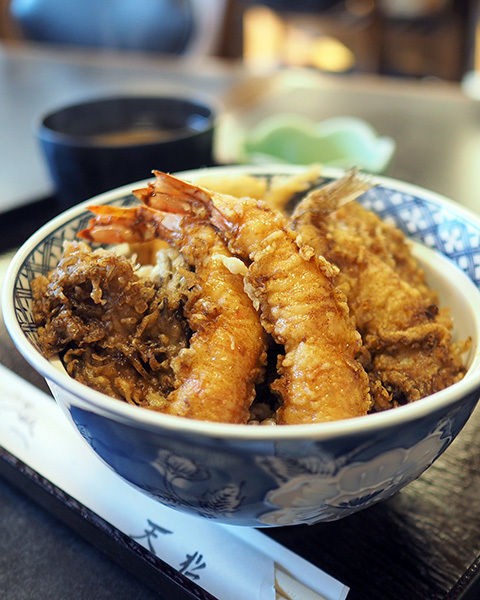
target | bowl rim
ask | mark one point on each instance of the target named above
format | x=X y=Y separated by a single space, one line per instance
x=120 y=411
x=47 y=134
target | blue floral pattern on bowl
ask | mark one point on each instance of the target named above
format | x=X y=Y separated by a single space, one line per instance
x=278 y=484
x=439 y=227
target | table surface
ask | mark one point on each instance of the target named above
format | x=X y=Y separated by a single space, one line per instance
x=422 y=543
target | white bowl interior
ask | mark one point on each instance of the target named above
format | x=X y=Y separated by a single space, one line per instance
x=459 y=294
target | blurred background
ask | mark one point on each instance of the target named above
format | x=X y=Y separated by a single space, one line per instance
x=400 y=38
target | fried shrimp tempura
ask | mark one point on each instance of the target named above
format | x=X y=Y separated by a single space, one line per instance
x=319 y=376
x=326 y=307
x=408 y=340
x=215 y=375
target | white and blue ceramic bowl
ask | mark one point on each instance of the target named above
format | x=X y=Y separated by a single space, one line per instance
x=271 y=476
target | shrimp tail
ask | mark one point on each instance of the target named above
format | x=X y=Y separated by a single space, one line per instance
x=169 y=194
x=116 y=224
x=328 y=198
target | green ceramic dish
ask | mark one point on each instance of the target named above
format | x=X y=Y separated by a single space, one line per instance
x=340 y=142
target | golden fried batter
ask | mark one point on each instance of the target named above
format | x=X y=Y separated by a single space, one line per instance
x=215 y=377
x=319 y=376
x=408 y=350
x=331 y=296
x=117 y=333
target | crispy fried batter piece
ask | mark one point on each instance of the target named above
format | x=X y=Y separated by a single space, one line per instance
x=215 y=377
x=117 y=332
x=355 y=325
x=299 y=306
x=408 y=350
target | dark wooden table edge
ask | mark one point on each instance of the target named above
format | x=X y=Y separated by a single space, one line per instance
x=18 y=224
x=468 y=586
x=119 y=547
